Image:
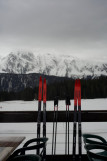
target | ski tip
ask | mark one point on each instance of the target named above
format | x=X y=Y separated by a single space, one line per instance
x=44 y=80
x=79 y=84
x=75 y=83
x=79 y=92
x=44 y=91
x=40 y=89
x=56 y=101
x=40 y=79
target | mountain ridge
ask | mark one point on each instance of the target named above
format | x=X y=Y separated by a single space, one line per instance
x=50 y=64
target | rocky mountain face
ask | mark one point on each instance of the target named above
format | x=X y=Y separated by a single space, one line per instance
x=63 y=65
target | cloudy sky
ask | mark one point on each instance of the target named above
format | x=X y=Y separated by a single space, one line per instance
x=76 y=27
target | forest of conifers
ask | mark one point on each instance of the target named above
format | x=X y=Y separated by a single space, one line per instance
x=90 y=88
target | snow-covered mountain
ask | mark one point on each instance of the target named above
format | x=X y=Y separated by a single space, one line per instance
x=49 y=64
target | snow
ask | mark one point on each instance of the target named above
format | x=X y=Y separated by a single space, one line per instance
x=87 y=104
x=29 y=129
x=51 y=64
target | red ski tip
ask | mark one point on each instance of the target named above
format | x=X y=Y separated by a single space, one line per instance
x=40 y=89
x=44 y=91
x=40 y=79
x=44 y=81
x=79 y=93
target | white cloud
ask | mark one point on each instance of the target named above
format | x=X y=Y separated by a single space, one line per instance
x=70 y=26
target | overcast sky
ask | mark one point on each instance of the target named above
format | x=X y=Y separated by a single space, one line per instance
x=76 y=27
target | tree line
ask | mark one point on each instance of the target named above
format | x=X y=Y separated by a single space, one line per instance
x=90 y=88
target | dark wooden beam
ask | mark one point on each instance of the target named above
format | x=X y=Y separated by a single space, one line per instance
x=31 y=116
x=65 y=158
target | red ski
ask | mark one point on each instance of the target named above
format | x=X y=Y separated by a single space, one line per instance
x=79 y=121
x=77 y=101
x=39 y=110
x=44 y=115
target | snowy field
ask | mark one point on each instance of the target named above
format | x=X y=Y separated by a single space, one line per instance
x=29 y=129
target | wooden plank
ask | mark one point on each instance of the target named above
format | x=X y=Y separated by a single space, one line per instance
x=8 y=145
x=10 y=141
x=5 y=153
x=31 y=116
x=65 y=158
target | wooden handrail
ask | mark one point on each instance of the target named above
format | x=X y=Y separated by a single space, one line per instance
x=31 y=116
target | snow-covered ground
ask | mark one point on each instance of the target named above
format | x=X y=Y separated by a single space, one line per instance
x=87 y=104
x=29 y=129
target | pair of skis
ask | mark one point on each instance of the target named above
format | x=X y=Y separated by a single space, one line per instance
x=44 y=112
x=77 y=102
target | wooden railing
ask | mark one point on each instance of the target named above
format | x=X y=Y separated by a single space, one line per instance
x=31 y=116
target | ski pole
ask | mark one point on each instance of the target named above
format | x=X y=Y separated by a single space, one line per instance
x=66 y=133
x=68 y=129
x=75 y=119
x=53 y=135
x=56 y=129
x=54 y=126
x=67 y=125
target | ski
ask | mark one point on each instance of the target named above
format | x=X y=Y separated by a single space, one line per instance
x=67 y=126
x=39 y=110
x=79 y=121
x=77 y=101
x=54 y=135
x=44 y=115
x=75 y=120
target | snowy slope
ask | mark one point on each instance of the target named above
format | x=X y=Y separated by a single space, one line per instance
x=49 y=64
